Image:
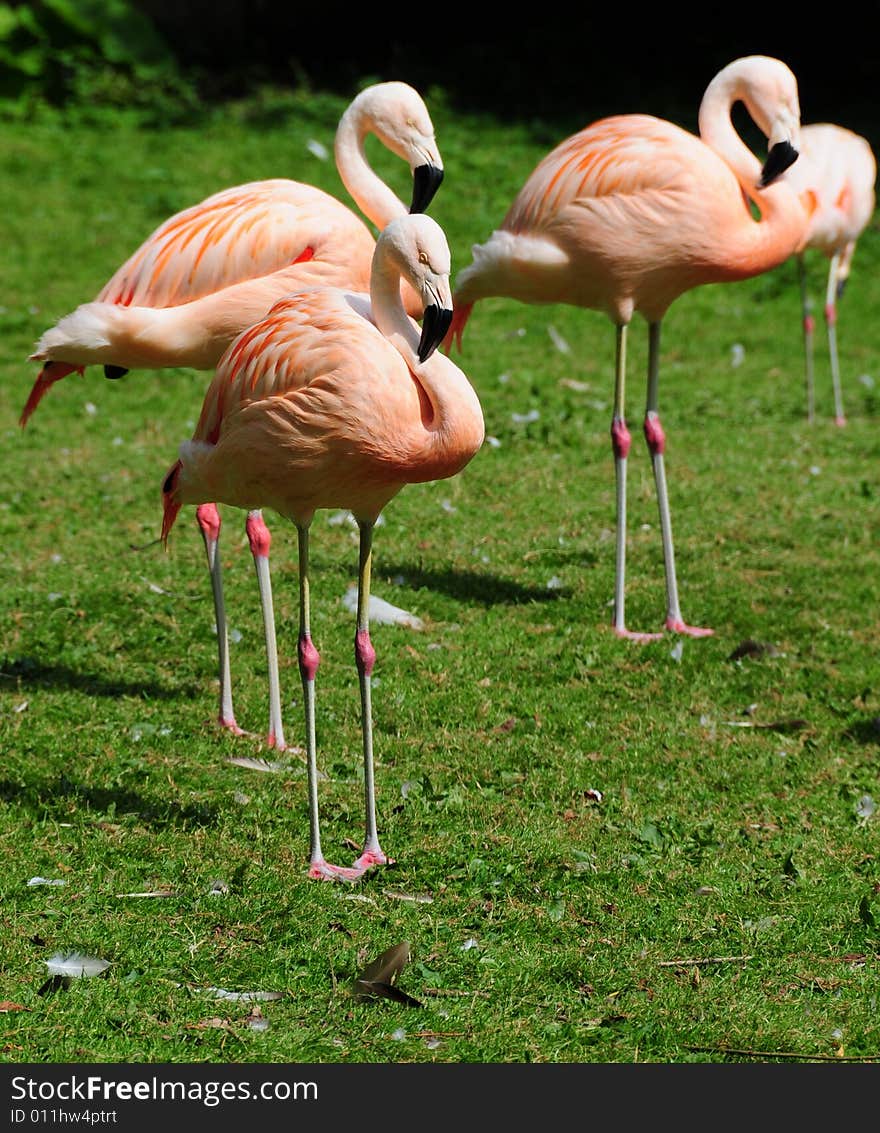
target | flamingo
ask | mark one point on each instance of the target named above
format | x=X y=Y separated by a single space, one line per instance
x=334 y=400
x=628 y=214
x=839 y=168
x=216 y=268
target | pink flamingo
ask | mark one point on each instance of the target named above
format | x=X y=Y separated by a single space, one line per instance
x=631 y=212
x=839 y=168
x=333 y=400
x=216 y=268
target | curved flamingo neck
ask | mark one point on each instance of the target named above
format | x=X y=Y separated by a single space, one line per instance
x=388 y=311
x=717 y=130
x=373 y=197
x=783 y=218
x=452 y=418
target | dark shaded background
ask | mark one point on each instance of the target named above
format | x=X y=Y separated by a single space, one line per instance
x=569 y=68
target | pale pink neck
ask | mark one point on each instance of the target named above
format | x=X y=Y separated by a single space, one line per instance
x=782 y=218
x=717 y=131
x=373 y=197
x=456 y=417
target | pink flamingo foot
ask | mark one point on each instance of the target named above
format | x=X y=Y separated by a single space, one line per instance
x=278 y=745
x=676 y=625
x=840 y=421
x=371 y=857
x=230 y=725
x=320 y=870
x=633 y=635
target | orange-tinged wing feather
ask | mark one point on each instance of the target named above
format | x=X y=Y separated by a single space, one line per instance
x=615 y=157
x=239 y=234
x=303 y=337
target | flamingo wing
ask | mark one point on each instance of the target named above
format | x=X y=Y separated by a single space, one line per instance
x=236 y=235
x=306 y=339
x=316 y=390
x=620 y=157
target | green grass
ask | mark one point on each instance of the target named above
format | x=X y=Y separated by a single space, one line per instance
x=722 y=895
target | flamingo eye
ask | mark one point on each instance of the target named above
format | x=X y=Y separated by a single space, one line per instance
x=423 y=257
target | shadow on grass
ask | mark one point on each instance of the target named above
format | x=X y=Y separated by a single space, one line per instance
x=32 y=673
x=865 y=731
x=54 y=796
x=483 y=589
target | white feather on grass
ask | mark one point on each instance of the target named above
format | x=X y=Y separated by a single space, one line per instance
x=74 y=964
x=254 y=763
x=416 y=898
x=244 y=996
x=382 y=612
x=148 y=893
x=156 y=589
x=317 y=149
x=558 y=341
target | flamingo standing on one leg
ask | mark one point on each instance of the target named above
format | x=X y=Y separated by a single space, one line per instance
x=840 y=169
x=631 y=212
x=214 y=269
x=334 y=401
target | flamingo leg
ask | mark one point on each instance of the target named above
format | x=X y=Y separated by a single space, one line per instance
x=309 y=659
x=809 y=324
x=620 y=443
x=656 y=439
x=365 y=657
x=208 y=519
x=260 y=541
x=831 y=325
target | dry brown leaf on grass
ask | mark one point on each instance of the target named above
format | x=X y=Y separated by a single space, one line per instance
x=214 y=1023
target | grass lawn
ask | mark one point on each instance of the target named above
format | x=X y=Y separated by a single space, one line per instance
x=605 y=851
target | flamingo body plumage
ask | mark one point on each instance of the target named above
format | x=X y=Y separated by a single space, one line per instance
x=629 y=213
x=334 y=400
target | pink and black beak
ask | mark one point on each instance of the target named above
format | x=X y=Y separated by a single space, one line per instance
x=426 y=182
x=780 y=157
x=435 y=323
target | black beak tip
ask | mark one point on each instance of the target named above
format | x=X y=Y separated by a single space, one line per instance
x=780 y=157
x=435 y=323
x=426 y=181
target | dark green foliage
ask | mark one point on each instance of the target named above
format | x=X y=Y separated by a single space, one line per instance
x=83 y=53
